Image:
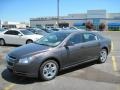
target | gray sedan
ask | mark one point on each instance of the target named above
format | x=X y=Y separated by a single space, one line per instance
x=57 y=51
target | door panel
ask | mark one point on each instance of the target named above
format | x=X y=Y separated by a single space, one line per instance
x=91 y=50
x=9 y=39
x=74 y=54
x=12 y=37
x=73 y=49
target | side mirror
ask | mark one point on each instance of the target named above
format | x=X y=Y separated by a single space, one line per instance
x=19 y=34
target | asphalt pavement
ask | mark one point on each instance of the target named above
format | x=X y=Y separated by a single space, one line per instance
x=89 y=76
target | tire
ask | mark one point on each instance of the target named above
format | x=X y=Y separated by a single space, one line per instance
x=48 y=70
x=2 y=42
x=10 y=70
x=103 y=56
x=29 y=41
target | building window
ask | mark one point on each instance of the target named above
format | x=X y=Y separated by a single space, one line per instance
x=114 y=28
x=39 y=26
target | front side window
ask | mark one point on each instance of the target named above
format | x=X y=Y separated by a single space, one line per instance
x=76 y=39
x=89 y=37
x=12 y=32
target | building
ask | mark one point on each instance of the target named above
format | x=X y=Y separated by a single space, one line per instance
x=9 y=25
x=111 y=20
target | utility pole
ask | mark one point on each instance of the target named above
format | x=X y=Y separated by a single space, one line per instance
x=0 y=23
x=58 y=17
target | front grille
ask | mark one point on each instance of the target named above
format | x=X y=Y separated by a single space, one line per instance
x=10 y=63
x=11 y=60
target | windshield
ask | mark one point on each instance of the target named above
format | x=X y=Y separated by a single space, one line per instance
x=52 y=39
x=27 y=32
x=37 y=31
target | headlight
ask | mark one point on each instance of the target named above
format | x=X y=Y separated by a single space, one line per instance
x=6 y=57
x=25 y=60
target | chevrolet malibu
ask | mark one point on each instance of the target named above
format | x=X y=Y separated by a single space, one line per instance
x=56 y=51
x=18 y=37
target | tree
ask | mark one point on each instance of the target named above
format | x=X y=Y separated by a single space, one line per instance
x=83 y=24
x=102 y=27
x=89 y=25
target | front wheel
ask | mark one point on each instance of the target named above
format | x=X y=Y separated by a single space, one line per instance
x=103 y=56
x=2 y=42
x=48 y=70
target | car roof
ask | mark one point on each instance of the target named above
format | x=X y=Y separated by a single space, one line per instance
x=77 y=31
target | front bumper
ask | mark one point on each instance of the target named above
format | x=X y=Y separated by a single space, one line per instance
x=27 y=70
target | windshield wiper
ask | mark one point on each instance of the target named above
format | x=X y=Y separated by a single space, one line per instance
x=43 y=44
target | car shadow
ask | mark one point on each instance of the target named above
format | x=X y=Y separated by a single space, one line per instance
x=11 y=45
x=8 y=76
x=81 y=66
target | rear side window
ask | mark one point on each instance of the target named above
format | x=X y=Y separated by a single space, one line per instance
x=12 y=32
x=89 y=37
x=76 y=39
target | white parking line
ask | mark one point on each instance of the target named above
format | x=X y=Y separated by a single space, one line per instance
x=9 y=87
x=112 y=46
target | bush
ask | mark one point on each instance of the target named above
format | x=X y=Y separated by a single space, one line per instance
x=89 y=25
x=102 y=27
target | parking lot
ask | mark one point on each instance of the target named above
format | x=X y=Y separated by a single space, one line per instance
x=90 y=76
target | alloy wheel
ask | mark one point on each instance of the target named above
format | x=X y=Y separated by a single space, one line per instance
x=103 y=55
x=48 y=70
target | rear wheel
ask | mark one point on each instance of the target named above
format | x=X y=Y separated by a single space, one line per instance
x=2 y=42
x=29 y=41
x=103 y=56
x=48 y=70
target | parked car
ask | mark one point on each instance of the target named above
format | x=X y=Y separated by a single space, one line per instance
x=37 y=31
x=19 y=37
x=57 y=51
x=75 y=28
x=47 y=30
x=59 y=29
x=2 y=30
x=56 y=29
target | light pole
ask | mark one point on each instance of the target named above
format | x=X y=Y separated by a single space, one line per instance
x=58 y=13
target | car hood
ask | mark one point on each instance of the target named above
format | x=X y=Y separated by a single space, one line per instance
x=36 y=35
x=27 y=50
